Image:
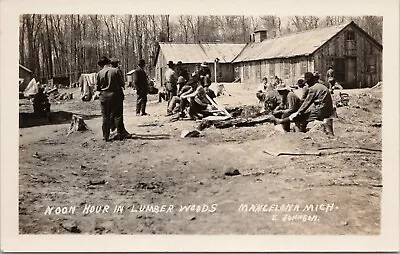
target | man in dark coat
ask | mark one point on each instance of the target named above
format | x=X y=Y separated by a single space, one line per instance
x=115 y=64
x=108 y=84
x=41 y=104
x=141 y=82
x=316 y=106
x=181 y=72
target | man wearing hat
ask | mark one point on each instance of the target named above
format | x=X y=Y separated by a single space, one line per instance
x=317 y=105
x=180 y=71
x=290 y=103
x=170 y=81
x=205 y=75
x=109 y=86
x=115 y=64
x=141 y=82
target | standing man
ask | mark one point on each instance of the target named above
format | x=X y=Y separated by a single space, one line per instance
x=141 y=82
x=330 y=76
x=290 y=103
x=317 y=105
x=205 y=75
x=115 y=64
x=41 y=104
x=171 y=78
x=180 y=71
x=109 y=83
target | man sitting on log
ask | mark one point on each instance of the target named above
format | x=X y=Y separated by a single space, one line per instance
x=175 y=102
x=268 y=96
x=199 y=104
x=290 y=103
x=41 y=104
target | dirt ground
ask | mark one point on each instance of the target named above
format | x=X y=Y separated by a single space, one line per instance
x=158 y=167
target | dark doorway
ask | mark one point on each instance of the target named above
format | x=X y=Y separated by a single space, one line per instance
x=340 y=70
x=351 y=72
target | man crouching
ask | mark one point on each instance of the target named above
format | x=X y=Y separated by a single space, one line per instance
x=290 y=103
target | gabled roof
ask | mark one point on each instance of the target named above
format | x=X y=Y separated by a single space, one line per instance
x=23 y=67
x=297 y=44
x=200 y=52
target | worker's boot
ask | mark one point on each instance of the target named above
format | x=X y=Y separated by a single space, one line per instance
x=328 y=126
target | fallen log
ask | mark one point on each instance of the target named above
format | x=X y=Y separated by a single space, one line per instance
x=237 y=122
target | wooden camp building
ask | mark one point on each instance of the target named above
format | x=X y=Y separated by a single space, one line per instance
x=193 y=54
x=25 y=75
x=355 y=56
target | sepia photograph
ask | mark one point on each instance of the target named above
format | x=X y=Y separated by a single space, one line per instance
x=192 y=124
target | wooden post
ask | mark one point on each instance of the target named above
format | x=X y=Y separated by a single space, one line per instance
x=215 y=69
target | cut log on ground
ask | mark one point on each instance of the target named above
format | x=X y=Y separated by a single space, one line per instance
x=77 y=124
x=238 y=122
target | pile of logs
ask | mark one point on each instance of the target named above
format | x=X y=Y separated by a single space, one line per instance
x=234 y=122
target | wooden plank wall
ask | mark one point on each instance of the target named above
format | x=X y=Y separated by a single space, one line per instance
x=253 y=72
x=365 y=50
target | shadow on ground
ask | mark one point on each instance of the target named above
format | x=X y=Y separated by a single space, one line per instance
x=27 y=120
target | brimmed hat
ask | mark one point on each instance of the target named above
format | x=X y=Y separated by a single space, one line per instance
x=179 y=63
x=282 y=87
x=170 y=63
x=308 y=76
x=114 y=61
x=181 y=80
x=204 y=64
x=103 y=61
x=301 y=80
x=142 y=62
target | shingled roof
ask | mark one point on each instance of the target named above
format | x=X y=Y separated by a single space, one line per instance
x=200 y=52
x=297 y=44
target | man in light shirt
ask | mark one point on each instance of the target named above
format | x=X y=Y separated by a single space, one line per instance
x=171 y=81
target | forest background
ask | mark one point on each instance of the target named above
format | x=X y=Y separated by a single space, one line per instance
x=69 y=45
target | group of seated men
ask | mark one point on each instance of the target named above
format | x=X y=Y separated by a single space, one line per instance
x=311 y=101
x=193 y=97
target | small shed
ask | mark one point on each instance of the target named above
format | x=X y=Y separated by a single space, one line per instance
x=193 y=54
x=25 y=75
x=355 y=56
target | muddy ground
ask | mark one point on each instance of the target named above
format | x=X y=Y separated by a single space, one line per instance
x=158 y=167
